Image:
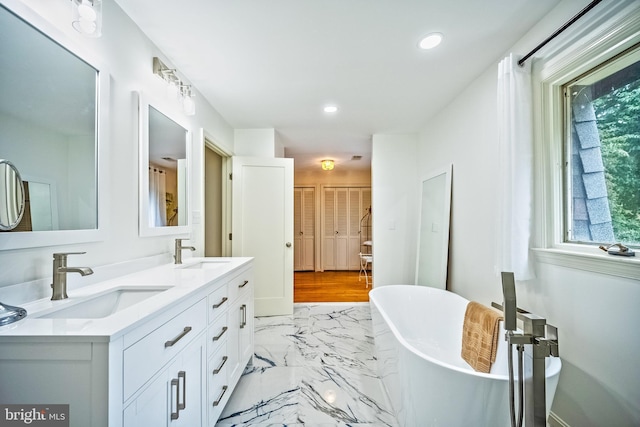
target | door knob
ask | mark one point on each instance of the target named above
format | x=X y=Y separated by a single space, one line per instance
x=288 y=244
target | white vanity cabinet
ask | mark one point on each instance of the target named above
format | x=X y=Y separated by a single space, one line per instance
x=174 y=396
x=175 y=365
x=230 y=340
x=175 y=362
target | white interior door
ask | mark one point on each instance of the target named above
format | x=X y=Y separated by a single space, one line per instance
x=263 y=228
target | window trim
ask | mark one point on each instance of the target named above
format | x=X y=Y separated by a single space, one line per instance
x=597 y=39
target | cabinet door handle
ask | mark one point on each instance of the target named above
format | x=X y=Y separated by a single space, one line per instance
x=224 y=390
x=217 y=370
x=222 y=301
x=184 y=332
x=217 y=337
x=176 y=415
x=243 y=318
x=243 y=284
x=183 y=375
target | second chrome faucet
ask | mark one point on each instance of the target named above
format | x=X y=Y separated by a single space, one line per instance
x=60 y=271
x=177 y=256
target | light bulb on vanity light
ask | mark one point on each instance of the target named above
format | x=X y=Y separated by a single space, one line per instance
x=173 y=87
x=188 y=105
x=87 y=17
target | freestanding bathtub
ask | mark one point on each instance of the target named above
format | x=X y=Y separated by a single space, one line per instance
x=418 y=340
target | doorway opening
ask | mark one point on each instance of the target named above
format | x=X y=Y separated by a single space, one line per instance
x=329 y=286
x=217 y=199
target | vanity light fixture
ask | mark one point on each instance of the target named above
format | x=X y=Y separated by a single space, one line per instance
x=86 y=17
x=176 y=88
x=327 y=164
x=430 y=41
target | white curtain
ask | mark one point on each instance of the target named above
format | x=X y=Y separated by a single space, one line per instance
x=157 y=198
x=515 y=141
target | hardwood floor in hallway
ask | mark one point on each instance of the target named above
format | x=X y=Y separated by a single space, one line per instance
x=330 y=286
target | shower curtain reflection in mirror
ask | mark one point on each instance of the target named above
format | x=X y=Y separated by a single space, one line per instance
x=157 y=197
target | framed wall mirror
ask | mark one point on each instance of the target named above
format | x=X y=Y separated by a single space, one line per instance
x=52 y=125
x=164 y=172
x=433 y=236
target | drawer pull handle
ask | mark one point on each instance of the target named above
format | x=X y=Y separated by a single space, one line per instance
x=217 y=370
x=217 y=337
x=222 y=301
x=224 y=390
x=176 y=415
x=183 y=375
x=243 y=320
x=184 y=332
x=243 y=284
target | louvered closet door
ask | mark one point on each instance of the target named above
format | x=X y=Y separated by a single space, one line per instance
x=308 y=229
x=342 y=229
x=329 y=229
x=297 y=229
x=304 y=228
x=335 y=239
x=355 y=213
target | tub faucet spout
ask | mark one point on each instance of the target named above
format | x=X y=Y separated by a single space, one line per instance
x=177 y=256
x=60 y=271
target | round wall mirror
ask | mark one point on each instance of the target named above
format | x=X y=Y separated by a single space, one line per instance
x=12 y=196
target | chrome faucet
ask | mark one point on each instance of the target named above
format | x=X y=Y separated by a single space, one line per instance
x=60 y=271
x=541 y=341
x=178 y=250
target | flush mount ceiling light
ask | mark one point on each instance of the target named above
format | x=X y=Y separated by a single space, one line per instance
x=327 y=164
x=330 y=109
x=430 y=41
x=86 y=17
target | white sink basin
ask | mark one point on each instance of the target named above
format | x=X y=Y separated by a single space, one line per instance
x=106 y=304
x=209 y=264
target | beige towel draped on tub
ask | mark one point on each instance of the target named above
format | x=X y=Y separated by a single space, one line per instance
x=480 y=336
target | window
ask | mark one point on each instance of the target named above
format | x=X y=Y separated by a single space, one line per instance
x=602 y=153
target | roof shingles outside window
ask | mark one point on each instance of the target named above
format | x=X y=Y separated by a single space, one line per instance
x=591 y=215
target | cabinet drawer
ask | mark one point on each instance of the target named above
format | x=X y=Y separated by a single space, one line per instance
x=218 y=302
x=239 y=284
x=217 y=367
x=148 y=355
x=218 y=387
x=217 y=334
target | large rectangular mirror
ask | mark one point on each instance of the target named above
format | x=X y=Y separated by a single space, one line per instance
x=433 y=238
x=164 y=172
x=52 y=107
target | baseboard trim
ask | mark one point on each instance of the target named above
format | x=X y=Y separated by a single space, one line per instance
x=555 y=421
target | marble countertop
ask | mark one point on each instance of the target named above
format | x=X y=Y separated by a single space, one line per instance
x=183 y=280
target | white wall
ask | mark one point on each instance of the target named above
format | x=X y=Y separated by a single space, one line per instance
x=128 y=54
x=596 y=314
x=256 y=142
x=395 y=205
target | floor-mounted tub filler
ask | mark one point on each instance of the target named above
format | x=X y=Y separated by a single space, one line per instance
x=418 y=339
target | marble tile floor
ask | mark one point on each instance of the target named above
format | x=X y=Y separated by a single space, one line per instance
x=316 y=368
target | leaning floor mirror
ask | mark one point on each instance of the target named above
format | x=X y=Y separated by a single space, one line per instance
x=164 y=172
x=433 y=236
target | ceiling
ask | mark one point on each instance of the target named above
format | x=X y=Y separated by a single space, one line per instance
x=277 y=63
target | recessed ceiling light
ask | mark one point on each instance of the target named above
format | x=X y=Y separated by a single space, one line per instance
x=430 y=41
x=330 y=109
